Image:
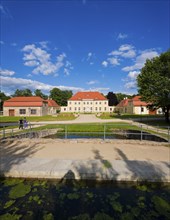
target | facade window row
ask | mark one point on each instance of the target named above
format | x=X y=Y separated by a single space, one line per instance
x=23 y=111
x=87 y=103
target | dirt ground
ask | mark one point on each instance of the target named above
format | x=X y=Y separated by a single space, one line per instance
x=86 y=149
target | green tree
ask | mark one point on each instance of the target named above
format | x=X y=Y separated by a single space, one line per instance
x=113 y=101
x=39 y=93
x=22 y=92
x=154 y=83
x=121 y=96
x=60 y=96
x=3 y=97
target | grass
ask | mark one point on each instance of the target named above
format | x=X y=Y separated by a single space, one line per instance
x=127 y=116
x=59 y=117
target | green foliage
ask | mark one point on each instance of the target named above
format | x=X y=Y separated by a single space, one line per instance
x=60 y=96
x=48 y=216
x=19 y=190
x=9 y=203
x=3 y=98
x=36 y=199
x=39 y=93
x=8 y=216
x=12 y=182
x=116 y=206
x=161 y=206
x=102 y=216
x=113 y=101
x=24 y=92
x=107 y=164
x=142 y=187
x=80 y=217
x=73 y=196
x=154 y=82
x=121 y=96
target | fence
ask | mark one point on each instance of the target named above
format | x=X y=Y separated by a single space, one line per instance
x=102 y=131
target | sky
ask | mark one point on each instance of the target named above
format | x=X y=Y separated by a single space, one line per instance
x=83 y=45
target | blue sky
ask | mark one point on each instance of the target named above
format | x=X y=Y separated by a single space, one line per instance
x=80 y=45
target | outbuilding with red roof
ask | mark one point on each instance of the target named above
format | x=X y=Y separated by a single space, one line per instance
x=29 y=106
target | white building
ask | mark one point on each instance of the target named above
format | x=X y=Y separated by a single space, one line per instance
x=87 y=102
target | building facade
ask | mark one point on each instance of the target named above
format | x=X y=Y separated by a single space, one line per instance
x=87 y=102
x=29 y=106
x=135 y=106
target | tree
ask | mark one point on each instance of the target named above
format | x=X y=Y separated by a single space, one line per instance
x=3 y=98
x=39 y=93
x=113 y=101
x=60 y=96
x=24 y=92
x=154 y=83
x=121 y=96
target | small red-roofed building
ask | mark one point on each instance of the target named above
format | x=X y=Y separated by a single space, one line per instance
x=122 y=106
x=134 y=106
x=87 y=102
x=53 y=107
x=29 y=106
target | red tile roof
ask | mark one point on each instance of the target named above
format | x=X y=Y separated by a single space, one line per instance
x=30 y=101
x=52 y=103
x=87 y=95
x=123 y=103
x=137 y=102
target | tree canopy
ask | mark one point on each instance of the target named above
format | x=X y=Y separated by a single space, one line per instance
x=39 y=93
x=154 y=83
x=60 y=96
x=22 y=92
x=113 y=101
x=3 y=98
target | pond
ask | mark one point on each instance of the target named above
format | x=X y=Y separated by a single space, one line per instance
x=83 y=200
x=126 y=134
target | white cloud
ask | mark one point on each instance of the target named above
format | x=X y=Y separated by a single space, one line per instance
x=2 y=42
x=125 y=50
x=113 y=61
x=92 y=82
x=100 y=89
x=141 y=59
x=41 y=60
x=130 y=85
x=44 y=44
x=105 y=63
x=12 y=83
x=122 y=36
x=133 y=75
x=5 y=72
x=2 y=9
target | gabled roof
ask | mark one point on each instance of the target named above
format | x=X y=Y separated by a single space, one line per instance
x=137 y=101
x=22 y=101
x=87 y=95
x=123 y=103
x=52 y=103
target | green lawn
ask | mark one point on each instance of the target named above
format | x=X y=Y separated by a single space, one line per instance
x=60 y=117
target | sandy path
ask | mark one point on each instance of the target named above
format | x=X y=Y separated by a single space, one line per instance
x=121 y=150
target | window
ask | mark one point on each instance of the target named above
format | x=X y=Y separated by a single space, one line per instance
x=79 y=103
x=75 y=103
x=105 y=108
x=79 y=108
x=100 y=103
x=75 y=109
x=22 y=111
x=96 y=103
x=100 y=108
x=64 y=109
x=91 y=108
x=70 y=103
x=96 y=108
x=105 y=103
x=142 y=109
x=91 y=103
x=33 y=111
x=84 y=103
x=70 y=108
x=87 y=103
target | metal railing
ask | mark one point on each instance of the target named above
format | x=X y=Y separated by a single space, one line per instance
x=104 y=131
